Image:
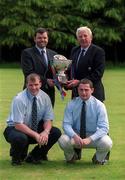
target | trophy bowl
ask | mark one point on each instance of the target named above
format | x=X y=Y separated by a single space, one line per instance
x=61 y=64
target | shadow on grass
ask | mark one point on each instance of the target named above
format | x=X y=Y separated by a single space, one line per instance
x=49 y=165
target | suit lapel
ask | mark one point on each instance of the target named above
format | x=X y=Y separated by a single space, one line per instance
x=89 y=56
x=50 y=59
x=74 y=58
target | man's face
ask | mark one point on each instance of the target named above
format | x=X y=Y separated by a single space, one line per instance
x=85 y=91
x=34 y=86
x=84 y=39
x=41 y=40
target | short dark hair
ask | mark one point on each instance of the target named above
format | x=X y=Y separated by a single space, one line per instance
x=41 y=30
x=32 y=77
x=86 y=81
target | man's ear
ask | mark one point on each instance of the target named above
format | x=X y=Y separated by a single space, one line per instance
x=34 y=39
x=40 y=84
x=92 y=89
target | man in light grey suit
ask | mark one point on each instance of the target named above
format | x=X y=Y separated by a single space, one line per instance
x=38 y=60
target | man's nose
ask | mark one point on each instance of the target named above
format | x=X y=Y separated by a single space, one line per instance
x=83 y=37
x=83 y=92
x=33 y=87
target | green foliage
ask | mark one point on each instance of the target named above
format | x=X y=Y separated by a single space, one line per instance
x=91 y=6
x=19 y=19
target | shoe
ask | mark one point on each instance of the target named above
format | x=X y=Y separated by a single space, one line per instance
x=78 y=152
x=23 y=157
x=95 y=161
x=16 y=162
x=44 y=158
x=74 y=158
x=107 y=156
x=32 y=160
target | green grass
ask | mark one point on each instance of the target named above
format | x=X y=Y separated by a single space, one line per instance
x=11 y=82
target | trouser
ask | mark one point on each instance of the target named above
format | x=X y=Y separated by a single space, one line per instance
x=20 y=142
x=102 y=146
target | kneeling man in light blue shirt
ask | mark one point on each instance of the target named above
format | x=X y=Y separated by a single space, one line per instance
x=95 y=130
x=30 y=122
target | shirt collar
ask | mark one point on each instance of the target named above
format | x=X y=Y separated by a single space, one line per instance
x=39 y=49
x=85 y=48
x=30 y=96
x=86 y=101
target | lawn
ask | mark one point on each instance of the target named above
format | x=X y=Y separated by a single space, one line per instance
x=11 y=82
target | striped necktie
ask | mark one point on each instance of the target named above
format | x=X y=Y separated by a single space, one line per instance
x=34 y=115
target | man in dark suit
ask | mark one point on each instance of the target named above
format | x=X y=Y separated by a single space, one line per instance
x=88 y=61
x=38 y=59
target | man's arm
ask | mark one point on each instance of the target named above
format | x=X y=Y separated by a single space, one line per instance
x=44 y=135
x=97 y=64
x=68 y=121
x=26 y=63
x=102 y=123
x=18 y=110
x=26 y=130
x=47 y=126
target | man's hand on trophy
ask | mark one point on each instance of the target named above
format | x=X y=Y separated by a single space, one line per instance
x=50 y=82
x=72 y=83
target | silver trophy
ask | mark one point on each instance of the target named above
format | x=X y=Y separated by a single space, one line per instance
x=61 y=64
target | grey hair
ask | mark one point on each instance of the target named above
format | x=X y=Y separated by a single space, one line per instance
x=84 y=28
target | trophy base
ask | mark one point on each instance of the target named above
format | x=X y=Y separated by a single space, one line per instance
x=62 y=78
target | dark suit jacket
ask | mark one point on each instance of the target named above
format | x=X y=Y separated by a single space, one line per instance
x=91 y=66
x=31 y=62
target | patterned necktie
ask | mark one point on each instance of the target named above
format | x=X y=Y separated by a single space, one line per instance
x=43 y=57
x=83 y=121
x=81 y=54
x=34 y=115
